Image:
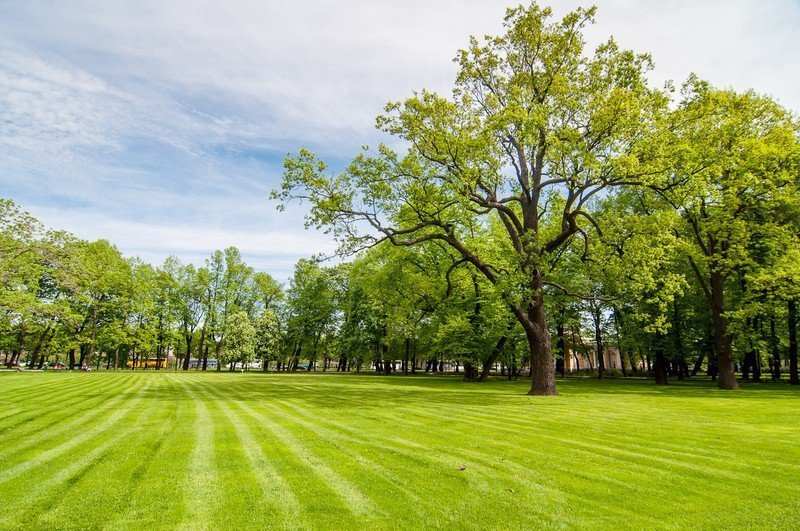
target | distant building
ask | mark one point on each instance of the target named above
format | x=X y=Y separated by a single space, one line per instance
x=586 y=359
x=149 y=363
x=195 y=363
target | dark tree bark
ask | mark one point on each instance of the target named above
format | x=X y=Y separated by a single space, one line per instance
x=624 y=357
x=561 y=351
x=159 y=349
x=406 y=355
x=683 y=369
x=598 y=342
x=775 y=365
x=661 y=367
x=679 y=362
x=794 y=378
x=218 y=354
x=498 y=349
x=747 y=364
x=698 y=363
x=202 y=350
x=188 y=357
x=723 y=338
x=534 y=322
x=83 y=350
x=752 y=361
x=90 y=353
x=43 y=338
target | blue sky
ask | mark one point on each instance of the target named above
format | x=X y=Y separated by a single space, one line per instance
x=162 y=125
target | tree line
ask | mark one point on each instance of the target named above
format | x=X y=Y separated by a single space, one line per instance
x=556 y=203
x=82 y=303
x=394 y=309
x=557 y=175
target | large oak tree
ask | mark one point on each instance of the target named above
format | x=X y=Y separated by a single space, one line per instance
x=534 y=130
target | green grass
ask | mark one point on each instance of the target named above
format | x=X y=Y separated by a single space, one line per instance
x=167 y=450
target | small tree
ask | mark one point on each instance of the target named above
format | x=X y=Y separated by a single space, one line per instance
x=240 y=346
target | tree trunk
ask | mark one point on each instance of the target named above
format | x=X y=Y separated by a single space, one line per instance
x=83 y=351
x=752 y=361
x=683 y=369
x=561 y=351
x=218 y=354
x=39 y=344
x=680 y=362
x=94 y=335
x=661 y=367
x=698 y=363
x=72 y=359
x=406 y=355
x=543 y=376
x=489 y=363
x=200 y=348
x=723 y=338
x=775 y=366
x=598 y=341
x=624 y=357
x=188 y=357
x=15 y=355
x=747 y=364
x=794 y=378
x=470 y=374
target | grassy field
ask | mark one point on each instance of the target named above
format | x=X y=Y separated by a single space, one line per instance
x=133 y=450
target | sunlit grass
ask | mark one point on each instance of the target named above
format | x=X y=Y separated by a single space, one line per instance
x=211 y=450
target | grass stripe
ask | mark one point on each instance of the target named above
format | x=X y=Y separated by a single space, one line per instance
x=26 y=404
x=201 y=477
x=74 y=470
x=356 y=501
x=275 y=489
x=52 y=453
x=40 y=426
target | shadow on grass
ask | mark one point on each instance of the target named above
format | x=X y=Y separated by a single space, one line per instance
x=353 y=391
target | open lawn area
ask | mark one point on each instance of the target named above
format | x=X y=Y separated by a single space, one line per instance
x=220 y=450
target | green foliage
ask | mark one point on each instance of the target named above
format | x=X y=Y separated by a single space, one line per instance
x=240 y=346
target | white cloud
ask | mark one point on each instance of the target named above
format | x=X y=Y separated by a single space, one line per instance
x=168 y=119
x=270 y=248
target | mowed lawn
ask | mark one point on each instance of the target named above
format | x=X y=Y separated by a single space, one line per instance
x=225 y=451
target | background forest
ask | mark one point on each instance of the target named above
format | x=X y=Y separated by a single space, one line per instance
x=554 y=206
